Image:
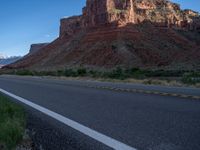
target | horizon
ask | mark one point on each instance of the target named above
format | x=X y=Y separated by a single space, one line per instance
x=34 y=24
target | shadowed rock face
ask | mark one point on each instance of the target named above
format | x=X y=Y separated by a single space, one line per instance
x=35 y=47
x=69 y=26
x=129 y=33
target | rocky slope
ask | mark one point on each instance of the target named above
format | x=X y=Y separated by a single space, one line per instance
x=128 y=33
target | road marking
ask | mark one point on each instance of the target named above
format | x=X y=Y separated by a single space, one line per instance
x=117 y=89
x=196 y=97
x=117 y=145
x=184 y=96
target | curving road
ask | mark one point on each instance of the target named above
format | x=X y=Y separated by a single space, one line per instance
x=135 y=116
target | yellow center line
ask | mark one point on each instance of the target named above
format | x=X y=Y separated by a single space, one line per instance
x=144 y=91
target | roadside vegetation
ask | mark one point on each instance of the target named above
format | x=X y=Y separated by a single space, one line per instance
x=12 y=124
x=146 y=76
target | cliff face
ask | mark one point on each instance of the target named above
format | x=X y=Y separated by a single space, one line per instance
x=129 y=33
x=162 y=13
x=103 y=12
x=69 y=26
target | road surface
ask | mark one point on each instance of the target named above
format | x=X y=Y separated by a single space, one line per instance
x=137 y=116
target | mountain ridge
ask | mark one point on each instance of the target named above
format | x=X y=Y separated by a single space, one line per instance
x=8 y=60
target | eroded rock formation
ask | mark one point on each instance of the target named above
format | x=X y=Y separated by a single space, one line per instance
x=35 y=47
x=162 y=13
x=68 y=26
x=129 y=33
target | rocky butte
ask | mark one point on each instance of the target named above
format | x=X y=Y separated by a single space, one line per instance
x=119 y=13
x=36 y=47
x=128 y=33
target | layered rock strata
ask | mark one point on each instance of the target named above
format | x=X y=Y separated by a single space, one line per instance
x=122 y=12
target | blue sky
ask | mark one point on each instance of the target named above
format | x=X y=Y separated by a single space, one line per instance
x=24 y=22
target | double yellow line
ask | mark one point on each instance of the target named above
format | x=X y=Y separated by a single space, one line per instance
x=145 y=92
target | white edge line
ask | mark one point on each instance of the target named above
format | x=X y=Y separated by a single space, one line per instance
x=117 y=145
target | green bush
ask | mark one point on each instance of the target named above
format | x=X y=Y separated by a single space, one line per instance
x=60 y=73
x=94 y=73
x=48 y=73
x=81 y=72
x=164 y=73
x=135 y=73
x=70 y=73
x=24 y=72
x=191 y=78
x=117 y=73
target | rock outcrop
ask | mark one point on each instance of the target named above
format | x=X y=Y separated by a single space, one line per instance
x=69 y=26
x=129 y=33
x=35 y=47
x=196 y=24
x=103 y=12
x=162 y=13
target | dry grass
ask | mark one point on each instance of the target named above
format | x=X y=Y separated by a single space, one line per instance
x=152 y=81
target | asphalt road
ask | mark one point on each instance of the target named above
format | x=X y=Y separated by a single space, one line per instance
x=143 y=117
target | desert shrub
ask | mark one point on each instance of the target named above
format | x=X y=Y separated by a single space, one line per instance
x=191 y=78
x=164 y=73
x=60 y=72
x=70 y=73
x=94 y=73
x=135 y=73
x=81 y=71
x=38 y=73
x=24 y=72
x=48 y=73
x=114 y=47
x=117 y=73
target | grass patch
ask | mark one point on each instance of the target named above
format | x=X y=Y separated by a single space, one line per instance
x=12 y=123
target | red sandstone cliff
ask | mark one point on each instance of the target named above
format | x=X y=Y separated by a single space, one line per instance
x=121 y=12
x=129 y=33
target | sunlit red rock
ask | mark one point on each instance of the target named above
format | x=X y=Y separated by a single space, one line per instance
x=129 y=33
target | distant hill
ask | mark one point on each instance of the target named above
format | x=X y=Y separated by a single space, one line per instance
x=8 y=60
